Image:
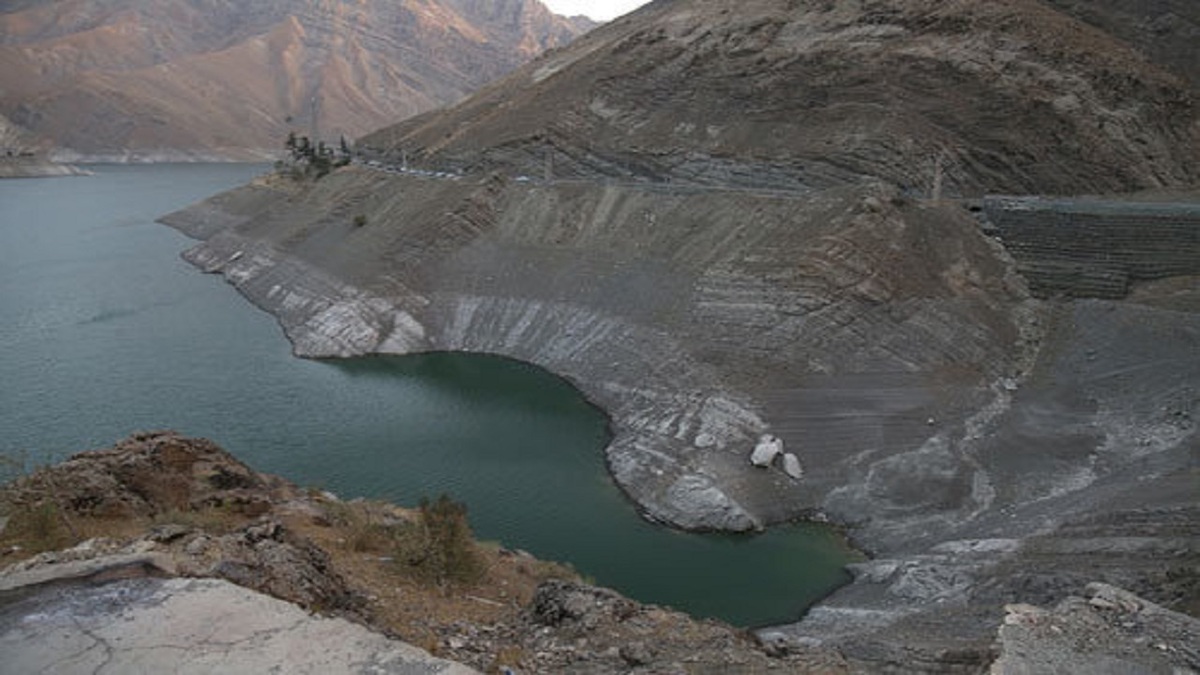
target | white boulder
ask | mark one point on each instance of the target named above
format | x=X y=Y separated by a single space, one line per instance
x=769 y=447
x=791 y=466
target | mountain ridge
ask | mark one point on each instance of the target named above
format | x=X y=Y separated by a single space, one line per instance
x=1015 y=97
x=213 y=79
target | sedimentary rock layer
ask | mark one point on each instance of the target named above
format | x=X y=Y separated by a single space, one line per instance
x=698 y=319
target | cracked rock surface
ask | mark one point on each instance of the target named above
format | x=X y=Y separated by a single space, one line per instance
x=191 y=626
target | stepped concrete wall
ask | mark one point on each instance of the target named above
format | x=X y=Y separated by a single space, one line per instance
x=1095 y=249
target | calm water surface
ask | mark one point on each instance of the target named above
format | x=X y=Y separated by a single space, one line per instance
x=106 y=330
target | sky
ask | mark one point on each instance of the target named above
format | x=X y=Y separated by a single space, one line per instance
x=600 y=10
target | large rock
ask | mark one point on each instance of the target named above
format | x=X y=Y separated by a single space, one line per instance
x=149 y=474
x=768 y=448
x=190 y=626
x=1110 y=632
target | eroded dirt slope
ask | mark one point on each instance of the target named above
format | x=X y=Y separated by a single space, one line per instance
x=1003 y=97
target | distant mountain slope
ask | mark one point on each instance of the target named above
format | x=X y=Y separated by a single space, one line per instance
x=14 y=139
x=1017 y=96
x=173 y=78
x=1168 y=31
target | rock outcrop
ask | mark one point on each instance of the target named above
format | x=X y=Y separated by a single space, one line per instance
x=1093 y=248
x=1110 y=631
x=24 y=155
x=188 y=80
x=192 y=626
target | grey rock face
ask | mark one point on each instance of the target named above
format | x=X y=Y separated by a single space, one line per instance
x=695 y=318
x=1110 y=632
x=191 y=626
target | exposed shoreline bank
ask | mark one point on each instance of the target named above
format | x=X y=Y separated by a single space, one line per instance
x=37 y=168
x=947 y=506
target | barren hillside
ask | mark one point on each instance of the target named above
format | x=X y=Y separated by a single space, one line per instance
x=1013 y=97
x=210 y=78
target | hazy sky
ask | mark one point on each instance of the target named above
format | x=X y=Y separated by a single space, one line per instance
x=600 y=10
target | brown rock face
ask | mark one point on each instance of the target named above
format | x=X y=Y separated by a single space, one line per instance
x=977 y=96
x=208 y=78
x=147 y=475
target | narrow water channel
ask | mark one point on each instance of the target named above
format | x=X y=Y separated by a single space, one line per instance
x=107 y=331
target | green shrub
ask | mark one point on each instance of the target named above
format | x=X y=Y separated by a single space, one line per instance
x=439 y=547
x=360 y=220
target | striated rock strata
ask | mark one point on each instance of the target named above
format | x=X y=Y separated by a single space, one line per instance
x=698 y=319
x=962 y=98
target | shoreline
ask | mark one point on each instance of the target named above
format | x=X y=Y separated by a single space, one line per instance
x=15 y=168
x=927 y=557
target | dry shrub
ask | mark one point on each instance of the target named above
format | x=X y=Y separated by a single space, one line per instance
x=439 y=547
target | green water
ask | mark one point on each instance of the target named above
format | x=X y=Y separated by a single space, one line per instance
x=106 y=331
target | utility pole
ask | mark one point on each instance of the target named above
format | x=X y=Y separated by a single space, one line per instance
x=938 y=173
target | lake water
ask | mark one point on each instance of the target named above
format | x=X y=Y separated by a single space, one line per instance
x=106 y=330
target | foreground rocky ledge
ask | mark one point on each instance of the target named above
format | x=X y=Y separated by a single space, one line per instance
x=191 y=626
x=182 y=540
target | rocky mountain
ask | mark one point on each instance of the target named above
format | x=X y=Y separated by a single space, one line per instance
x=14 y=139
x=210 y=78
x=728 y=220
x=24 y=155
x=1015 y=97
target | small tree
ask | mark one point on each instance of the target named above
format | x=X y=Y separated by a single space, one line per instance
x=443 y=548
